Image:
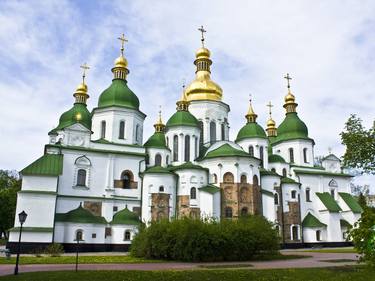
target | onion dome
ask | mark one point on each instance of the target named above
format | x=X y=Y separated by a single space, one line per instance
x=157 y=140
x=225 y=149
x=271 y=124
x=125 y=217
x=78 y=113
x=202 y=87
x=252 y=129
x=118 y=93
x=182 y=117
x=274 y=158
x=80 y=215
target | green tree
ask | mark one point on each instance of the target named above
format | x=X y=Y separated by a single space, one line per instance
x=360 y=145
x=362 y=200
x=10 y=184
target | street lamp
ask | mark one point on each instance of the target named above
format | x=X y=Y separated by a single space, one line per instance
x=22 y=218
x=78 y=238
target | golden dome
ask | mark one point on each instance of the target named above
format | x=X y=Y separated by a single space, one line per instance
x=203 y=53
x=81 y=89
x=121 y=62
x=271 y=123
x=251 y=115
x=289 y=98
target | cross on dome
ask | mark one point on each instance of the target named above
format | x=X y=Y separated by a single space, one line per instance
x=123 y=40
x=202 y=30
x=288 y=78
x=270 y=105
x=84 y=67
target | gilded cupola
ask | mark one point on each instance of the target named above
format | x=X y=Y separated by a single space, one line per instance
x=202 y=87
x=271 y=124
x=290 y=101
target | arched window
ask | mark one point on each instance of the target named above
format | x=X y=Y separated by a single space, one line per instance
x=251 y=150
x=102 y=130
x=222 y=131
x=193 y=193
x=243 y=179
x=127 y=235
x=161 y=188
x=305 y=155
x=121 y=133
x=214 y=176
x=333 y=192
x=175 y=148
x=81 y=177
x=333 y=183
x=294 y=194
x=137 y=138
x=196 y=146
x=167 y=140
x=228 y=177
x=307 y=193
x=276 y=198
x=228 y=212
x=212 y=131
x=284 y=173
x=244 y=211
x=127 y=179
x=261 y=155
x=200 y=124
x=318 y=235
x=79 y=235
x=187 y=148
x=158 y=160
x=255 y=180
x=273 y=170
x=167 y=159
x=291 y=155
x=294 y=232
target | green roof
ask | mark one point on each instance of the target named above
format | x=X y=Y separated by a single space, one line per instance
x=182 y=118
x=351 y=202
x=274 y=158
x=264 y=172
x=321 y=173
x=47 y=165
x=118 y=94
x=329 y=202
x=344 y=223
x=288 y=180
x=311 y=221
x=251 y=130
x=79 y=215
x=291 y=128
x=187 y=166
x=32 y=229
x=210 y=189
x=77 y=114
x=226 y=150
x=157 y=140
x=158 y=170
x=126 y=217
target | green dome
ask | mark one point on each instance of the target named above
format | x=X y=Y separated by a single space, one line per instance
x=183 y=118
x=80 y=215
x=157 y=140
x=118 y=94
x=292 y=128
x=251 y=130
x=126 y=217
x=274 y=158
x=77 y=114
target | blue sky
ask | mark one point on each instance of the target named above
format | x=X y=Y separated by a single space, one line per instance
x=328 y=47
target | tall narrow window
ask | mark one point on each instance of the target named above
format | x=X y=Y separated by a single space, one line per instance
x=158 y=160
x=305 y=155
x=284 y=173
x=127 y=179
x=193 y=193
x=294 y=232
x=212 y=131
x=81 y=177
x=167 y=160
x=276 y=199
x=79 y=235
x=161 y=188
x=333 y=193
x=196 y=146
x=137 y=133
x=228 y=212
x=251 y=150
x=308 y=195
x=294 y=194
x=318 y=235
x=127 y=235
x=291 y=155
x=187 y=148
x=261 y=154
x=121 y=133
x=200 y=124
x=222 y=131
x=175 y=148
x=102 y=130
x=214 y=177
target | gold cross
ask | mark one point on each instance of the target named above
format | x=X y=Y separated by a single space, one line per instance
x=123 y=40
x=202 y=30
x=250 y=98
x=288 y=78
x=270 y=108
x=84 y=67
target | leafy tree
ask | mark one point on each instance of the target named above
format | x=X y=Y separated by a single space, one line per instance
x=10 y=184
x=360 y=145
x=362 y=200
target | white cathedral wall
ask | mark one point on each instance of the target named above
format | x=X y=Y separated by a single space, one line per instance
x=282 y=149
x=66 y=233
x=164 y=153
x=35 y=237
x=279 y=168
x=287 y=189
x=257 y=143
x=207 y=111
x=309 y=234
x=269 y=208
x=118 y=233
x=189 y=179
x=39 y=183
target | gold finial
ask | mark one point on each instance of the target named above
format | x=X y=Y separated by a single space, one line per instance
x=203 y=31
x=251 y=116
x=183 y=104
x=270 y=105
x=288 y=78
x=123 y=40
x=290 y=104
x=271 y=124
x=159 y=126
x=84 y=68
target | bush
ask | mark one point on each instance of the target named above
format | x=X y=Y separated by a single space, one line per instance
x=54 y=250
x=37 y=252
x=206 y=240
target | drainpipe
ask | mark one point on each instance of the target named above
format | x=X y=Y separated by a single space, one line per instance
x=141 y=176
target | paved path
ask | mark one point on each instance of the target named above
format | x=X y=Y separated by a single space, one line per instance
x=316 y=260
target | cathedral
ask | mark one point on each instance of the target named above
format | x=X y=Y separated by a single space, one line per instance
x=97 y=180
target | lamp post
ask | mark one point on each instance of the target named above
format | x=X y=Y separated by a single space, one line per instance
x=22 y=218
x=78 y=238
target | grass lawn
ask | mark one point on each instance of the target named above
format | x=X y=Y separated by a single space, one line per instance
x=112 y=259
x=338 y=250
x=327 y=274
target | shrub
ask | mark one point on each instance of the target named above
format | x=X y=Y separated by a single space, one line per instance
x=54 y=250
x=206 y=240
x=37 y=252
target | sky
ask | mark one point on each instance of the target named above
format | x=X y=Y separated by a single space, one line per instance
x=328 y=47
